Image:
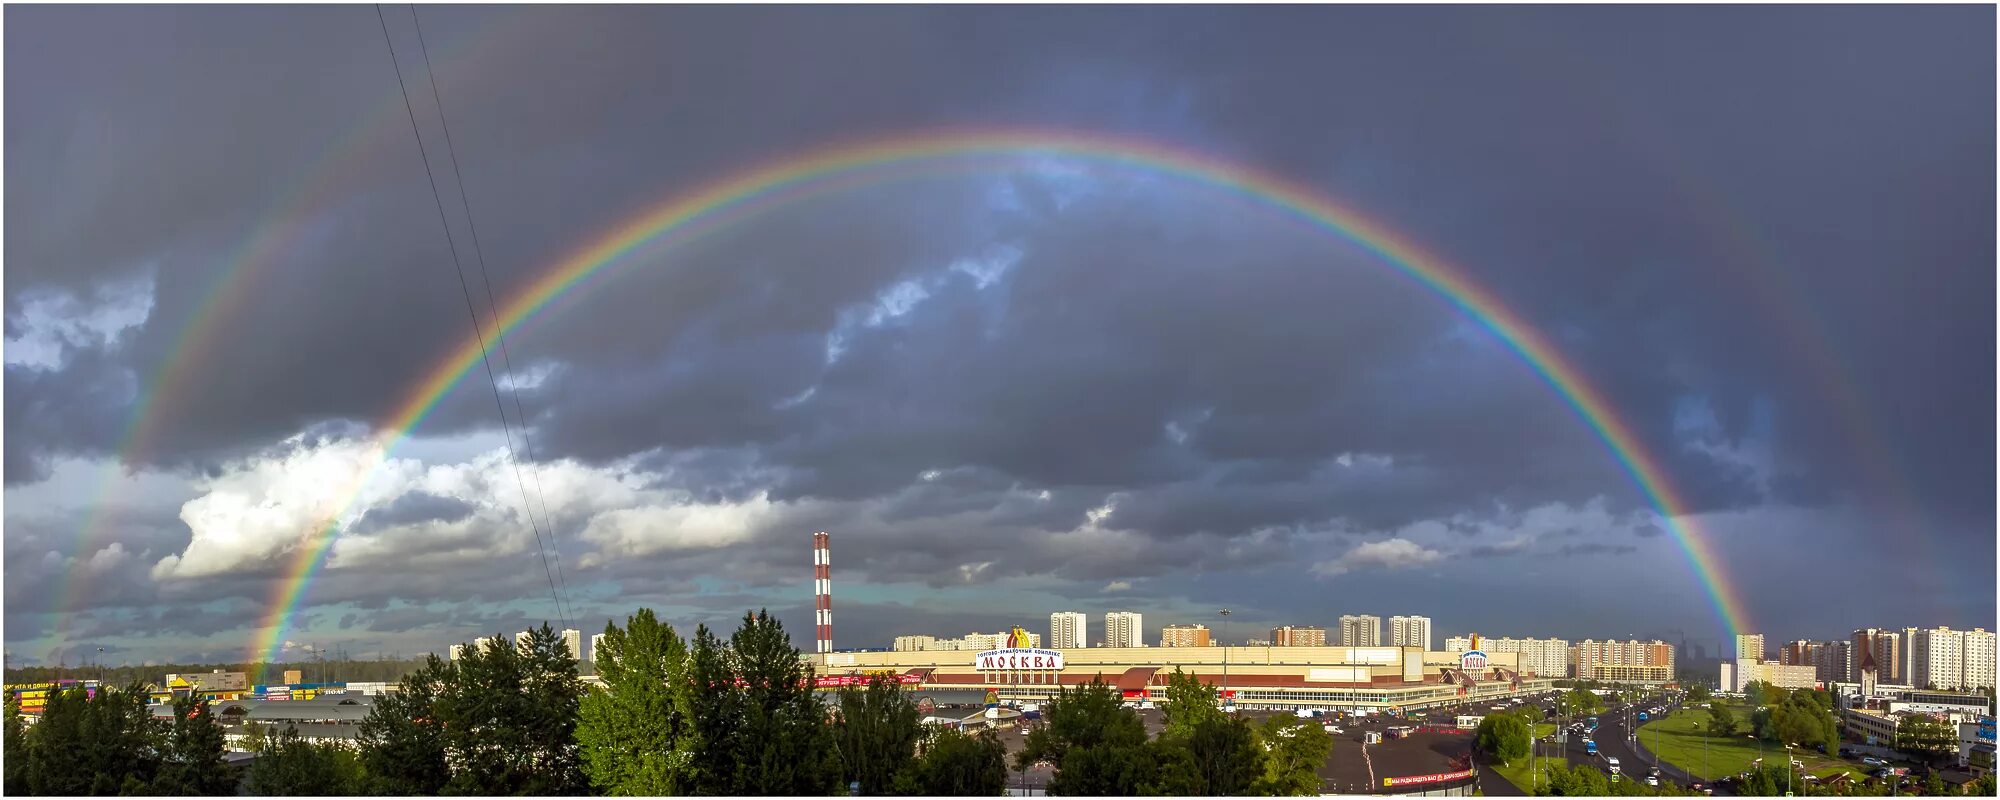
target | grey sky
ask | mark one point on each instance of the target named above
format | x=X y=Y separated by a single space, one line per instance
x=1765 y=234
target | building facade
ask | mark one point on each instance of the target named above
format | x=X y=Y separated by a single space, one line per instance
x=1630 y=661
x=1068 y=630
x=1547 y=658
x=1298 y=636
x=573 y=639
x=1953 y=659
x=1195 y=635
x=1360 y=630
x=1410 y=632
x=1750 y=646
x=1740 y=673
x=1124 y=629
x=1887 y=648
x=596 y=646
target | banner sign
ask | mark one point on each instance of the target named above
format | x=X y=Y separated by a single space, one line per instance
x=1472 y=661
x=838 y=681
x=1415 y=780
x=1018 y=658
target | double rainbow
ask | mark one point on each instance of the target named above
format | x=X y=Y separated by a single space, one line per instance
x=686 y=216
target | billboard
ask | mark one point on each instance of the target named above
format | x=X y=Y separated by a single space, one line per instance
x=1472 y=661
x=1418 y=780
x=1017 y=658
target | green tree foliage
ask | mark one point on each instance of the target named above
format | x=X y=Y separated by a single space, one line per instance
x=1189 y=703
x=636 y=733
x=1502 y=737
x=1227 y=756
x=1721 y=719
x=1294 y=749
x=1580 y=701
x=1757 y=693
x=402 y=740
x=289 y=766
x=876 y=734
x=15 y=760
x=761 y=729
x=1086 y=716
x=93 y=746
x=1099 y=747
x=956 y=764
x=1530 y=713
x=191 y=761
x=1925 y=738
x=509 y=718
x=1697 y=694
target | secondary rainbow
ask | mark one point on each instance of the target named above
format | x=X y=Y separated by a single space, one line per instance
x=290 y=218
x=687 y=215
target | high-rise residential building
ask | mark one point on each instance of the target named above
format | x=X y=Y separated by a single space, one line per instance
x=1631 y=660
x=521 y=640
x=1953 y=659
x=1124 y=629
x=573 y=639
x=483 y=643
x=1886 y=647
x=1360 y=630
x=456 y=651
x=596 y=646
x=1546 y=658
x=1298 y=636
x=1800 y=653
x=1195 y=635
x=1835 y=662
x=1410 y=632
x=1750 y=646
x=1908 y=669
x=1068 y=629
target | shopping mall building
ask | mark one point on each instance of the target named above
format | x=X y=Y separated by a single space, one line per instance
x=1352 y=679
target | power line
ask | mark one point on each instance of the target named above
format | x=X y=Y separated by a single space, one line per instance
x=465 y=287
x=493 y=311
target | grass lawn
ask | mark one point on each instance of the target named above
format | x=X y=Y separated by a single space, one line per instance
x=1679 y=742
x=1517 y=773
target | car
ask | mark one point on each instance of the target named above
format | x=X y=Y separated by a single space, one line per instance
x=1652 y=780
x=1873 y=761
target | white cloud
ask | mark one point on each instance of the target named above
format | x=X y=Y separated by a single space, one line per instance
x=259 y=512
x=1385 y=554
x=1117 y=586
x=52 y=323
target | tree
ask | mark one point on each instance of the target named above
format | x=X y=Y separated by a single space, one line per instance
x=1697 y=694
x=402 y=741
x=1530 y=713
x=93 y=745
x=956 y=764
x=1189 y=703
x=508 y=714
x=1086 y=716
x=289 y=766
x=191 y=762
x=1502 y=737
x=635 y=734
x=1721 y=719
x=761 y=730
x=15 y=736
x=1924 y=737
x=1755 y=692
x=1293 y=752
x=876 y=734
x=1226 y=755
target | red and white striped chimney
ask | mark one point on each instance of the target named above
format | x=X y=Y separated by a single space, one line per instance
x=822 y=593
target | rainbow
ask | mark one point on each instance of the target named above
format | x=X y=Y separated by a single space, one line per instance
x=734 y=196
x=290 y=218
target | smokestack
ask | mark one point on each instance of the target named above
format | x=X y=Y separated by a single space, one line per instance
x=822 y=594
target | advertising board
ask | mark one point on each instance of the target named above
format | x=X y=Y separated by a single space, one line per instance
x=1419 y=780
x=1008 y=659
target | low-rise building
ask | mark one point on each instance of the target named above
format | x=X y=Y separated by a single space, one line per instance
x=1975 y=745
x=1738 y=674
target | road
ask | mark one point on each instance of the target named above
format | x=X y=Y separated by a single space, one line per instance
x=1614 y=726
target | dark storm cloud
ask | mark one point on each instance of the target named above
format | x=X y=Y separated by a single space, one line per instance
x=413 y=508
x=1664 y=192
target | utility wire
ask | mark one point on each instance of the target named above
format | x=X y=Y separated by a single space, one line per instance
x=493 y=313
x=466 y=288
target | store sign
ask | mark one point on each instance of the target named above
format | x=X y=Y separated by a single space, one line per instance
x=1418 y=780
x=1472 y=661
x=1009 y=659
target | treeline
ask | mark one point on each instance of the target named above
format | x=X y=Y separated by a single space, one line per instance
x=333 y=670
x=699 y=716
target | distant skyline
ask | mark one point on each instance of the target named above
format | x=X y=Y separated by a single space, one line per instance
x=1552 y=321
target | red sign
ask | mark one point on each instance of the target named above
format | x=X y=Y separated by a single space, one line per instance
x=1415 y=780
